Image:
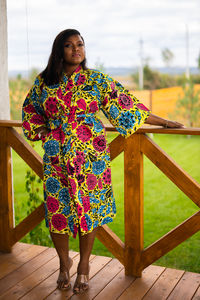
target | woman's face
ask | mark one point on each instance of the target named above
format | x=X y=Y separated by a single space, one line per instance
x=74 y=50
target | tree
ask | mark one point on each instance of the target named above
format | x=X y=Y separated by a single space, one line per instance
x=167 y=56
x=188 y=106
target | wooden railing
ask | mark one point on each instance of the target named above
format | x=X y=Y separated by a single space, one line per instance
x=131 y=252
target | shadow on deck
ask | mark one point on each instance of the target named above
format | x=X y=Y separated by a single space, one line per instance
x=30 y=272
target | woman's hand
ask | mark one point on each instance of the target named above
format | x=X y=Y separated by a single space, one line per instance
x=42 y=131
x=156 y=120
x=172 y=124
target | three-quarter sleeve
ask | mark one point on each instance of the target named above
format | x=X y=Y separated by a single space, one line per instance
x=33 y=115
x=122 y=109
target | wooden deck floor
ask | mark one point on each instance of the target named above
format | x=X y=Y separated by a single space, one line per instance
x=30 y=272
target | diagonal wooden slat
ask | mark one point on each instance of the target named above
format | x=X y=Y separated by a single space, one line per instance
x=25 y=151
x=170 y=240
x=27 y=224
x=112 y=242
x=171 y=169
x=116 y=146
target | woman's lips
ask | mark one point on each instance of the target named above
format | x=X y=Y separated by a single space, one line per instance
x=76 y=55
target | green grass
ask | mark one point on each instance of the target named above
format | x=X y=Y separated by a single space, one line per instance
x=165 y=206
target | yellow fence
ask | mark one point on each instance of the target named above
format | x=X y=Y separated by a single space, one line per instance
x=162 y=102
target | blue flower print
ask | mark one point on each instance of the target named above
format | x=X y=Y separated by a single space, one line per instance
x=127 y=120
x=52 y=185
x=114 y=112
x=114 y=207
x=98 y=167
x=107 y=220
x=97 y=126
x=71 y=223
x=46 y=159
x=88 y=221
x=96 y=223
x=51 y=148
x=120 y=130
x=64 y=195
x=66 y=210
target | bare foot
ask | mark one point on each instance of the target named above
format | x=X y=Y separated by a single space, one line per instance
x=82 y=280
x=64 y=277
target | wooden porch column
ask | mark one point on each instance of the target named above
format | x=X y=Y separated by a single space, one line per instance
x=133 y=205
x=6 y=203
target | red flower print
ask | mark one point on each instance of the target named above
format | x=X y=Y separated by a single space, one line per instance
x=29 y=109
x=59 y=222
x=80 y=157
x=99 y=143
x=86 y=203
x=37 y=119
x=70 y=169
x=51 y=106
x=59 y=93
x=54 y=160
x=72 y=112
x=74 y=125
x=91 y=181
x=52 y=204
x=81 y=104
x=69 y=85
x=58 y=135
x=107 y=176
x=125 y=101
x=67 y=99
x=81 y=79
x=105 y=101
x=75 y=231
x=84 y=133
x=83 y=224
x=93 y=106
x=100 y=184
x=72 y=190
x=80 y=178
x=26 y=125
x=142 y=106
x=79 y=209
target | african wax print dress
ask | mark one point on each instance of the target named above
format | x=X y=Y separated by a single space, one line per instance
x=76 y=163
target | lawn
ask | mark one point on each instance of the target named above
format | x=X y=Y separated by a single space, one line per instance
x=165 y=206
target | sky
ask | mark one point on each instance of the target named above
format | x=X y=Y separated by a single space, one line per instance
x=112 y=30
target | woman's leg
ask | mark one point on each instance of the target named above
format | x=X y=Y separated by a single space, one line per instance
x=85 y=244
x=61 y=243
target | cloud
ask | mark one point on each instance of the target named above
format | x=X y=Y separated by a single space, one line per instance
x=111 y=29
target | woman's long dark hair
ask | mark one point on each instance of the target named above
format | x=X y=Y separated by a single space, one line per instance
x=53 y=71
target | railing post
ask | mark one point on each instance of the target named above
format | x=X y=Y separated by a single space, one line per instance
x=6 y=203
x=133 y=205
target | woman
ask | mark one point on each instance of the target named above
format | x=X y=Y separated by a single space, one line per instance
x=61 y=109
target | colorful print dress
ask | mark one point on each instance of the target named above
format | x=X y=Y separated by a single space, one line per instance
x=76 y=162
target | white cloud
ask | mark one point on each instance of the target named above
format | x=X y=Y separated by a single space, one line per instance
x=111 y=29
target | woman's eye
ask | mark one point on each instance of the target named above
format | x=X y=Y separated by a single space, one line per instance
x=67 y=46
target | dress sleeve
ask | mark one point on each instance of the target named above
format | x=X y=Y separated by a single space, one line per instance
x=33 y=115
x=122 y=109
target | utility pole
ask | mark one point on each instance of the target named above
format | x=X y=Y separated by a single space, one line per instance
x=187 y=71
x=141 y=81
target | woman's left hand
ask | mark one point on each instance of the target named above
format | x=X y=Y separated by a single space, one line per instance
x=173 y=124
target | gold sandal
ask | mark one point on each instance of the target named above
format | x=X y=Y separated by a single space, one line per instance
x=62 y=278
x=81 y=284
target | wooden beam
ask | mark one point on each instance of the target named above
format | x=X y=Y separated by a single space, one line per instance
x=133 y=205
x=25 y=151
x=170 y=240
x=112 y=242
x=28 y=224
x=171 y=169
x=6 y=199
x=116 y=146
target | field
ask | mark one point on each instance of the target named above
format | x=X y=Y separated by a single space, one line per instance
x=165 y=206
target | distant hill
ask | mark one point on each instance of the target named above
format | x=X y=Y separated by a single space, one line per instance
x=121 y=71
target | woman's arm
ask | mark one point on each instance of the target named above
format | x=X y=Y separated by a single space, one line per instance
x=156 y=120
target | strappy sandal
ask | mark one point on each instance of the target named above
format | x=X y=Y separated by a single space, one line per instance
x=62 y=278
x=81 y=284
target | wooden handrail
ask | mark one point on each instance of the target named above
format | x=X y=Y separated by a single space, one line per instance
x=131 y=252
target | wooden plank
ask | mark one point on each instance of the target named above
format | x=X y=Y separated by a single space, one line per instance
x=6 y=199
x=171 y=169
x=140 y=286
x=170 y=240
x=115 y=287
x=26 y=269
x=164 y=285
x=197 y=295
x=133 y=205
x=25 y=151
x=28 y=223
x=10 y=123
x=16 y=250
x=186 y=287
x=100 y=280
x=49 y=285
x=111 y=241
x=23 y=257
x=116 y=146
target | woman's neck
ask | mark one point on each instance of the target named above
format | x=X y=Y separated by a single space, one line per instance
x=69 y=69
